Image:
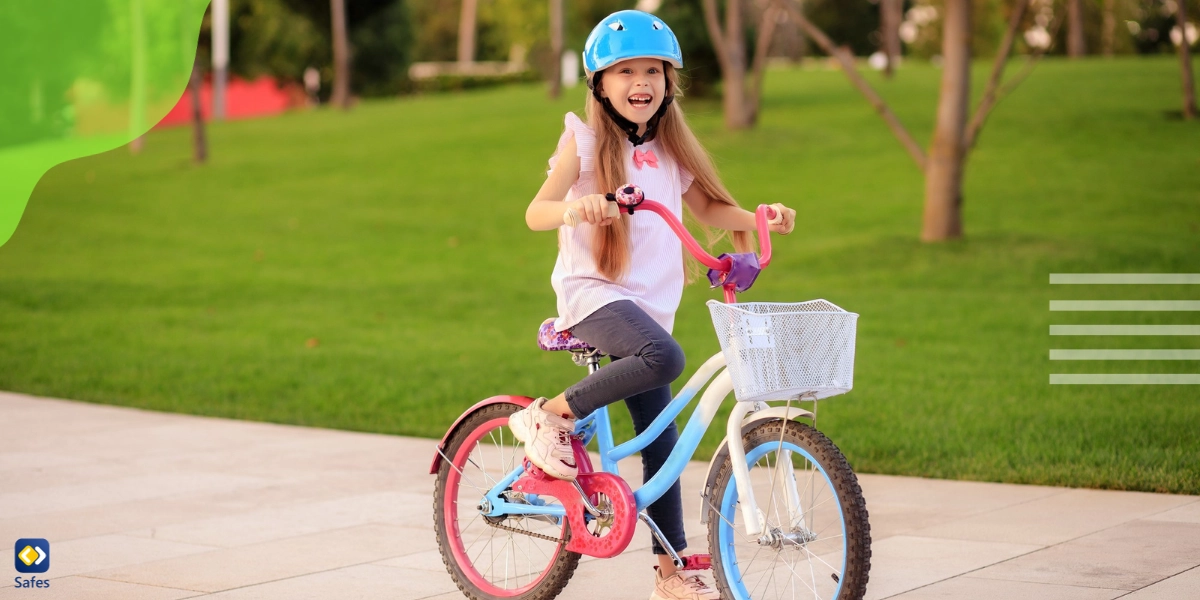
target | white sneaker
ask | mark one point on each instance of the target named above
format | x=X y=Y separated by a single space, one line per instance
x=678 y=587
x=547 y=439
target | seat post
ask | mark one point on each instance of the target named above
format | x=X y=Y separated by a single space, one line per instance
x=589 y=358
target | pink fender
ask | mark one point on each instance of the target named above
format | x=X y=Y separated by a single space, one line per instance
x=521 y=401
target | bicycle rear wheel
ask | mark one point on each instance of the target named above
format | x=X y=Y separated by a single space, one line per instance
x=817 y=540
x=495 y=557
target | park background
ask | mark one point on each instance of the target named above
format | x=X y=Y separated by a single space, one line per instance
x=363 y=264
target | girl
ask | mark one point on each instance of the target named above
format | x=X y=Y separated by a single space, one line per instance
x=619 y=280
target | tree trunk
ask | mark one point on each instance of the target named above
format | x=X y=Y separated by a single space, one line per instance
x=466 y=32
x=1076 y=46
x=556 y=47
x=758 y=67
x=1185 y=64
x=891 y=14
x=801 y=42
x=993 y=85
x=341 y=55
x=737 y=113
x=944 y=172
x=199 y=141
x=1110 y=26
x=730 y=48
x=846 y=60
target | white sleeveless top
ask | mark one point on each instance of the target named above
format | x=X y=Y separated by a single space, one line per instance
x=655 y=278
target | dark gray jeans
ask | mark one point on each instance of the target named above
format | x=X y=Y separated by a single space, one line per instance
x=645 y=360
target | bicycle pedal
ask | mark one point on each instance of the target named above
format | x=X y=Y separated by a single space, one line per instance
x=697 y=562
x=534 y=472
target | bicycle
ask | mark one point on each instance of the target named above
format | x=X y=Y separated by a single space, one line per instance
x=507 y=530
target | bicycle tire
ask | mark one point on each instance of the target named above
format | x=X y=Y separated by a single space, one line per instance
x=449 y=493
x=848 y=577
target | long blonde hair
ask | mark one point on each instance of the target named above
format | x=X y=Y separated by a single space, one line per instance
x=611 y=251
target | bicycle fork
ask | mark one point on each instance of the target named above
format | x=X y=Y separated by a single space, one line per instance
x=783 y=474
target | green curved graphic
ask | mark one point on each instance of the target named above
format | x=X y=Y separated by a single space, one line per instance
x=78 y=77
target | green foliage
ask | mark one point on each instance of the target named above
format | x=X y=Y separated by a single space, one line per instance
x=854 y=24
x=701 y=71
x=282 y=38
x=989 y=20
x=382 y=52
x=40 y=64
x=501 y=24
x=458 y=83
x=393 y=237
x=1154 y=20
x=437 y=37
x=269 y=38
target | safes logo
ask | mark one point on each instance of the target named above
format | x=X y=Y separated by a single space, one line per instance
x=33 y=555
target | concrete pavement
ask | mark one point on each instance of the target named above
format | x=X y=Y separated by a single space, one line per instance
x=145 y=505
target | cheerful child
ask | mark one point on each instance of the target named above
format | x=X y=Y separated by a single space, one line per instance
x=619 y=280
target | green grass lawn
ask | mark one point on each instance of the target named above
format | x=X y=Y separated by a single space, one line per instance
x=394 y=235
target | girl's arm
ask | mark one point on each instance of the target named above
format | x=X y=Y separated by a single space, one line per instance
x=734 y=218
x=546 y=210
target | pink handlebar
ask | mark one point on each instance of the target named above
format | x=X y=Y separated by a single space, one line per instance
x=762 y=218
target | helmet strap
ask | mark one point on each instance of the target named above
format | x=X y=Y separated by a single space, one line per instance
x=629 y=127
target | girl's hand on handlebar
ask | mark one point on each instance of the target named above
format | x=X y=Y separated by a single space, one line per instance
x=593 y=208
x=784 y=220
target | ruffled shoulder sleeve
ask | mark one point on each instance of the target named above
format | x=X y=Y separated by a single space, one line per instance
x=585 y=147
x=685 y=179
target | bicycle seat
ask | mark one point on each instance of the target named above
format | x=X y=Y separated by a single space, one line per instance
x=549 y=339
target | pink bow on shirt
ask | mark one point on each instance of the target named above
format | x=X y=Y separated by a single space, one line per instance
x=640 y=158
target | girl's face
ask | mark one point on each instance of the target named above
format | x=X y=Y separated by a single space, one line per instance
x=636 y=88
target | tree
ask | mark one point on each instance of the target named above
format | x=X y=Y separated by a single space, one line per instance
x=1076 y=44
x=947 y=153
x=466 y=32
x=556 y=47
x=1185 y=63
x=954 y=135
x=742 y=89
x=283 y=38
x=341 y=55
x=1110 y=26
x=199 y=141
x=891 y=13
x=701 y=71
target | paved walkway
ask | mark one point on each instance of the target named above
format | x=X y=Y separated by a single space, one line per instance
x=145 y=505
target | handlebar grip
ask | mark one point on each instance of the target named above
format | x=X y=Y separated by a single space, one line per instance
x=571 y=217
x=774 y=216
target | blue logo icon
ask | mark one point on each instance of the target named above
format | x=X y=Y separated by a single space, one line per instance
x=32 y=555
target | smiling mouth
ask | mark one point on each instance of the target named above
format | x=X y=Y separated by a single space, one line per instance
x=640 y=100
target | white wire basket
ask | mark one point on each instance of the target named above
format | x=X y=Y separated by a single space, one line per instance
x=777 y=351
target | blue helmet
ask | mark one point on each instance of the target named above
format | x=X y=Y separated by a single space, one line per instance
x=630 y=34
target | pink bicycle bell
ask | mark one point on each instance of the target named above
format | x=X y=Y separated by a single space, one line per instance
x=628 y=196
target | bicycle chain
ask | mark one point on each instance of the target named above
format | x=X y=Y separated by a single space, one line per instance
x=539 y=536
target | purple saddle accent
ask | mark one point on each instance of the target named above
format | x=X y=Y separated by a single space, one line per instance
x=549 y=339
x=743 y=270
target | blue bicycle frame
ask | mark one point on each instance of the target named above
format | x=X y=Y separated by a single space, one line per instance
x=598 y=426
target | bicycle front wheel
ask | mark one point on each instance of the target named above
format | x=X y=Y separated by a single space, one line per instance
x=817 y=539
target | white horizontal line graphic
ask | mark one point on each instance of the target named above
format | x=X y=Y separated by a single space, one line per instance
x=1125 y=278
x=1125 y=355
x=1132 y=379
x=1125 y=305
x=1125 y=330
